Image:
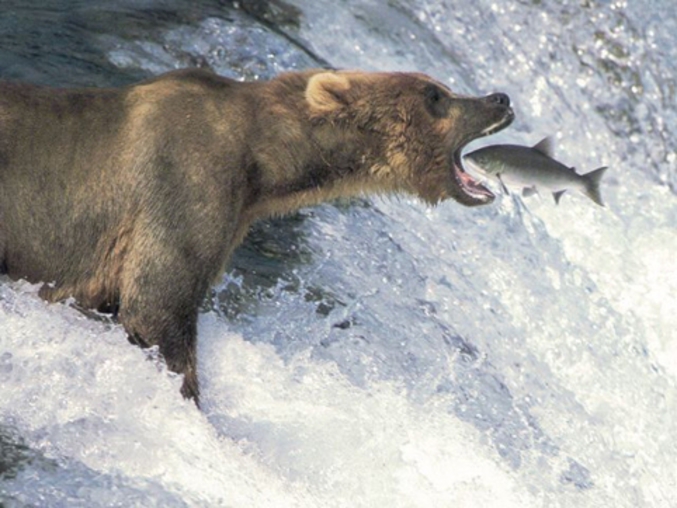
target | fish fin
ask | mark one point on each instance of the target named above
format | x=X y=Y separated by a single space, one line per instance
x=545 y=146
x=529 y=191
x=592 y=181
x=503 y=187
x=557 y=195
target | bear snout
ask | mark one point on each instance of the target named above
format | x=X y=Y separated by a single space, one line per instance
x=499 y=99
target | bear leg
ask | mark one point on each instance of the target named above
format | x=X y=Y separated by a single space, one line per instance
x=159 y=306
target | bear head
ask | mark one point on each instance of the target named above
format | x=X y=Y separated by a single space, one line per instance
x=409 y=129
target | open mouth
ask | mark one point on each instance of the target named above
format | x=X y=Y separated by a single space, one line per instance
x=475 y=192
x=473 y=189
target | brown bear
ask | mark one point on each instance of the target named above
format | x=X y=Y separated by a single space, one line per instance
x=134 y=198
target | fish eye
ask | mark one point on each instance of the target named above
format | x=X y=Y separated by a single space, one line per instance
x=436 y=101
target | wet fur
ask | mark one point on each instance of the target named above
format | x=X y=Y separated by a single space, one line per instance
x=134 y=198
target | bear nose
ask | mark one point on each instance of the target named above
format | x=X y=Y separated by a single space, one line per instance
x=500 y=99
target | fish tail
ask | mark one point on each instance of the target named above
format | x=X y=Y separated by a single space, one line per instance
x=592 y=181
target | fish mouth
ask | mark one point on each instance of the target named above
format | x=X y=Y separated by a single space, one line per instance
x=473 y=193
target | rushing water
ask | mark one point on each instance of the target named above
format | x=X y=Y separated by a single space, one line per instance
x=381 y=353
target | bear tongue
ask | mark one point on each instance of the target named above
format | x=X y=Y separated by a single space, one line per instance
x=474 y=188
x=470 y=186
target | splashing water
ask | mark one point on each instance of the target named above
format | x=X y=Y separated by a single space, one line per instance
x=381 y=353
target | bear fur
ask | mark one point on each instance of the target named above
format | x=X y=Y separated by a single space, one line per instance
x=134 y=198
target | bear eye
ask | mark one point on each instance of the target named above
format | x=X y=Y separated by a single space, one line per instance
x=436 y=101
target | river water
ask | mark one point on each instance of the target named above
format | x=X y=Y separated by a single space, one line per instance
x=379 y=353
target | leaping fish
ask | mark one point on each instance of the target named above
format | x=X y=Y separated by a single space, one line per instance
x=533 y=169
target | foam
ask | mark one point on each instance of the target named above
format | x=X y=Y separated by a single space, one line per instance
x=272 y=433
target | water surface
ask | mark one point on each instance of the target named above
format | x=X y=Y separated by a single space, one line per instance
x=379 y=352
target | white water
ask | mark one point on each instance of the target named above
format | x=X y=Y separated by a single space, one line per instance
x=520 y=354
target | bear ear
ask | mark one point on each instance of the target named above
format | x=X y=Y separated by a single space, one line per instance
x=327 y=92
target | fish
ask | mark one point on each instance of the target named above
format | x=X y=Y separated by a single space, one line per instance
x=533 y=169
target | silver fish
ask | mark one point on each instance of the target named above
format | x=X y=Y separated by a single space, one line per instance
x=533 y=168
